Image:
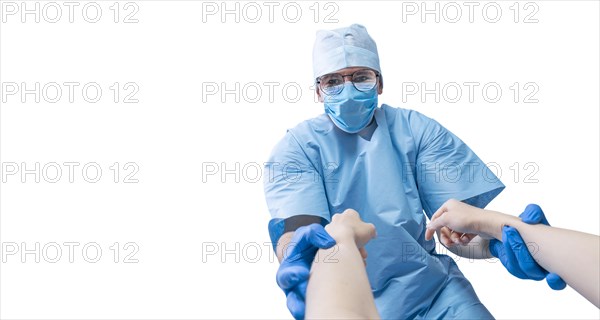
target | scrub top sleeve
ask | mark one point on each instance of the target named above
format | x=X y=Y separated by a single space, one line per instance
x=292 y=186
x=447 y=168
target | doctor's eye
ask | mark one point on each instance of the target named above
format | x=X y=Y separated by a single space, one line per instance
x=332 y=81
x=364 y=76
x=361 y=78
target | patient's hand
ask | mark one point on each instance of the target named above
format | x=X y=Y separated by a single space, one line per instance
x=454 y=218
x=348 y=226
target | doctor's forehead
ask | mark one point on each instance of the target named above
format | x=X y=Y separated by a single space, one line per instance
x=349 y=70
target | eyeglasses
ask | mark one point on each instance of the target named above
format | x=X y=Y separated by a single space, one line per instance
x=363 y=80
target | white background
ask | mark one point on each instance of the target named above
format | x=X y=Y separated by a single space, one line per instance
x=176 y=132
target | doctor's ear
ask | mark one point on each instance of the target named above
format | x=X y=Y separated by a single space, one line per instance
x=380 y=88
x=319 y=95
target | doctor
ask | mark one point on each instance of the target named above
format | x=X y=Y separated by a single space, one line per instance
x=391 y=165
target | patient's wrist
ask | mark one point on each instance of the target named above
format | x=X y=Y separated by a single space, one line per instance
x=340 y=233
x=493 y=223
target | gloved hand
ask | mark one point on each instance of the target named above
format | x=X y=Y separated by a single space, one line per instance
x=515 y=256
x=292 y=275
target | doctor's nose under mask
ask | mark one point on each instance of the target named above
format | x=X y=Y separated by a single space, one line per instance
x=351 y=110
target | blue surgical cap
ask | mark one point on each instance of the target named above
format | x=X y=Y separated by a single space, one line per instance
x=342 y=48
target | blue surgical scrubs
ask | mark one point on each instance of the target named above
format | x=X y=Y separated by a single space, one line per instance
x=401 y=165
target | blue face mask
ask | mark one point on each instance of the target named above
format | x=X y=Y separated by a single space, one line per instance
x=351 y=110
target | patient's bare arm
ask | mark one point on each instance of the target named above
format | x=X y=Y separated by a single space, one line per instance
x=573 y=255
x=338 y=287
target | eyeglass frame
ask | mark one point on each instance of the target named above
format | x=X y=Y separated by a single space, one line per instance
x=377 y=80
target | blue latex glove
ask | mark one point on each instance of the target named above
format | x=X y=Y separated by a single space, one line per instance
x=292 y=276
x=515 y=256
